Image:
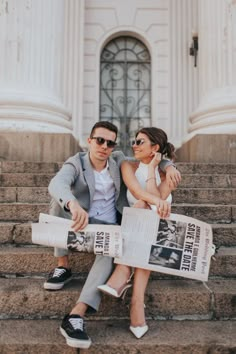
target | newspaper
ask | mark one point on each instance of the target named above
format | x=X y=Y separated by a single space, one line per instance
x=52 y=231
x=179 y=246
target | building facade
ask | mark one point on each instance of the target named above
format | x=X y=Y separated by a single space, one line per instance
x=67 y=63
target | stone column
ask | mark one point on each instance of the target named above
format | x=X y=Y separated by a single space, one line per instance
x=32 y=79
x=216 y=113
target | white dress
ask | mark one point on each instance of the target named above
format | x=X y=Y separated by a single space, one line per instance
x=141 y=174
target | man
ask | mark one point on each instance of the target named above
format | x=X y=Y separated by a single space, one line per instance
x=89 y=189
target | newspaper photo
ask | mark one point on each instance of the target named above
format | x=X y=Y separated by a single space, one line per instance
x=52 y=231
x=180 y=245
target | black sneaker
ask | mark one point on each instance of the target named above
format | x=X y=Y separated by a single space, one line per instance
x=58 y=279
x=73 y=329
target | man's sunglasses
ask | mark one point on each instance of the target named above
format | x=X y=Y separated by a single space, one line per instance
x=100 y=141
x=137 y=142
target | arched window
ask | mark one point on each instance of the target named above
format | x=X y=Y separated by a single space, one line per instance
x=125 y=87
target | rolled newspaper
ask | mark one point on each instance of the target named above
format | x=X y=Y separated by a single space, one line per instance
x=95 y=238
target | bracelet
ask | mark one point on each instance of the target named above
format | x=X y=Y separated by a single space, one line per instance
x=150 y=178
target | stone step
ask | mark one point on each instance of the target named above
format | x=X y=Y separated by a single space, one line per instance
x=20 y=234
x=180 y=195
x=25 y=179
x=52 y=167
x=224 y=235
x=205 y=196
x=164 y=299
x=211 y=213
x=22 y=212
x=16 y=233
x=114 y=337
x=24 y=195
x=208 y=181
x=40 y=261
x=188 y=180
x=224 y=264
x=206 y=168
x=207 y=312
x=29 y=167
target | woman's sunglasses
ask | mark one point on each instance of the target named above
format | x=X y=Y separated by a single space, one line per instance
x=137 y=142
x=100 y=141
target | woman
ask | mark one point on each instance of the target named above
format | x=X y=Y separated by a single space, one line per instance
x=145 y=189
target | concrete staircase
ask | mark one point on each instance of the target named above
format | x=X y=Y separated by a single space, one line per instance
x=185 y=316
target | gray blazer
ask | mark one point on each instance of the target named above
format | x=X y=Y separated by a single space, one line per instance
x=76 y=180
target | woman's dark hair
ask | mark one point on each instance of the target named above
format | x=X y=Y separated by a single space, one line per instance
x=104 y=124
x=158 y=136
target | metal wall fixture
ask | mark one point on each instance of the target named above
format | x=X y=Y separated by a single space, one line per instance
x=193 y=50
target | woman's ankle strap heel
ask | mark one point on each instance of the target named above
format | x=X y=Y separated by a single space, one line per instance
x=107 y=289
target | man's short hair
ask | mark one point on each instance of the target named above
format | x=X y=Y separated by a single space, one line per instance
x=104 y=124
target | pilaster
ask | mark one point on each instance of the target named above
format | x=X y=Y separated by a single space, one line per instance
x=216 y=112
x=31 y=69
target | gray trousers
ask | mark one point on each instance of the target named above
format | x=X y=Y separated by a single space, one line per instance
x=98 y=275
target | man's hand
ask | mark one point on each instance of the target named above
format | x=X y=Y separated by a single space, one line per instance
x=173 y=177
x=79 y=216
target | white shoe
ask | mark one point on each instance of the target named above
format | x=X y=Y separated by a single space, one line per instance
x=107 y=289
x=139 y=331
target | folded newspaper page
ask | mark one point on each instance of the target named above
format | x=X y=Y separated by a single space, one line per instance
x=52 y=231
x=179 y=246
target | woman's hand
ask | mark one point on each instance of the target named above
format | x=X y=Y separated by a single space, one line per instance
x=156 y=159
x=163 y=208
x=141 y=204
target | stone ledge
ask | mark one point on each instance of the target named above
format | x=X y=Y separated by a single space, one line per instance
x=40 y=261
x=114 y=337
x=41 y=147
x=30 y=167
x=206 y=168
x=164 y=299
x=216 y=148
x=181 y=195
x=188 y=180
x=210 y=213
x=19 y=234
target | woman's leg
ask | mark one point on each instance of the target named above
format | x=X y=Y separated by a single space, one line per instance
x=119 y=277
x=137 y=312
x=122 y=272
